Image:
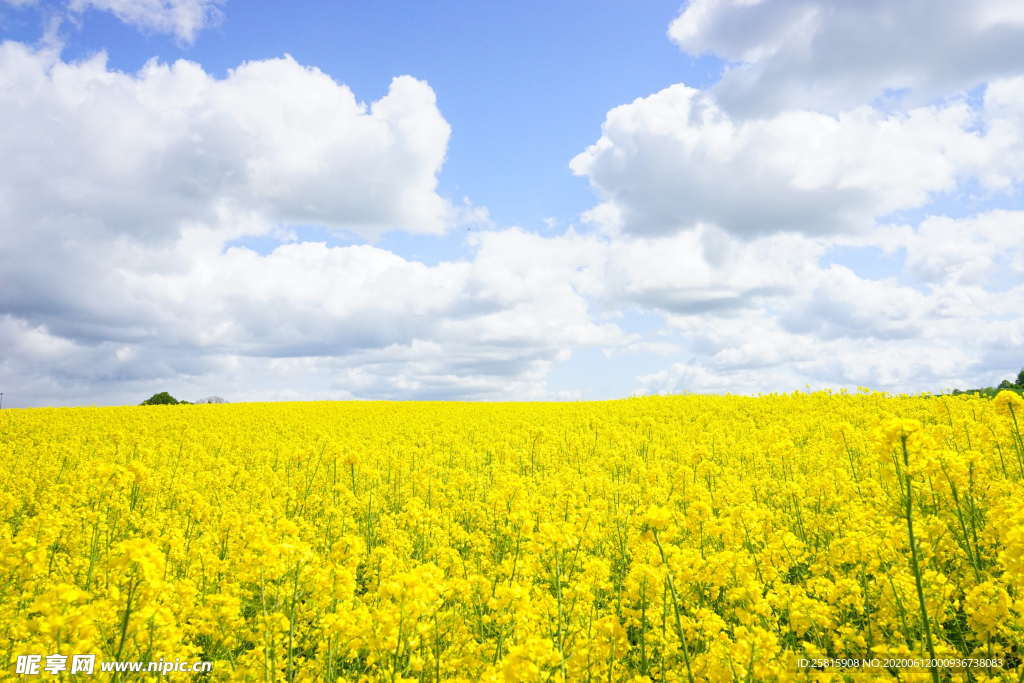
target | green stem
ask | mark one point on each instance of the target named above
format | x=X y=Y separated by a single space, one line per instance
x=132 y=587
x=675 y=607
x=914 y=561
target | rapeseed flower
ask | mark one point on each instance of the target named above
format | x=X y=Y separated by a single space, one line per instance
x=660 y=538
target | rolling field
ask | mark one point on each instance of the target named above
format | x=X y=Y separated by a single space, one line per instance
x=663 y=538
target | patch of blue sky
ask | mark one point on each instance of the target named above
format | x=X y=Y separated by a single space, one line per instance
x=869 y=263
x=891 y=99
x=968 y=199
x=427 y=249
x=598 y=376
x=897 y=100
x=873 y=263
x=642 y=321
x=261 y=244
x=975 y=99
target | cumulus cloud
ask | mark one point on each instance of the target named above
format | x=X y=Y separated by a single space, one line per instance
x=948 y=319
x=831 y=55
x=355 y=321
x=123 y=194
x=981 y=251
x=908 y=350
x=725 y=206
x=913 y=366
x=119 y=192
x=76 y=374
x=673 y=159
x=309 y=320
x=143 y=154
x=182 y=18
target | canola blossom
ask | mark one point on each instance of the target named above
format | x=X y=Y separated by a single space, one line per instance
x=649 y=539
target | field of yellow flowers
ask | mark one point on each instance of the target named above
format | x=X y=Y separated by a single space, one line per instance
x=661 y=538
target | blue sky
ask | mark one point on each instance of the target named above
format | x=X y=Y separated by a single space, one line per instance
x=566 y=200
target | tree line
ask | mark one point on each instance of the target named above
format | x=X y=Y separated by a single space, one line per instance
x=989 y=392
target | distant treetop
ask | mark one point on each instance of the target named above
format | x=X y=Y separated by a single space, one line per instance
x=161 y=399
x=990 y=392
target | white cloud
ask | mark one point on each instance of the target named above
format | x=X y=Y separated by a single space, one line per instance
x=768 y=317
x=831 y=55
x=920 y=365
x=979 y=251
x=122 y=194
x=182 y=18
x=312 y=321
x=119 y=192
x=141 y=155
x=982 y=251
x=949 y=339
x=908 y=349
x=673 y=159
x=327 y=321
x=1003 y=122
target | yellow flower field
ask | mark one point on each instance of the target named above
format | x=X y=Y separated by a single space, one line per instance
x=662 y=538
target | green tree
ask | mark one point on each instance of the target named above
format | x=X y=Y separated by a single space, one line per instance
x=1020 y=379
x=161 y=399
